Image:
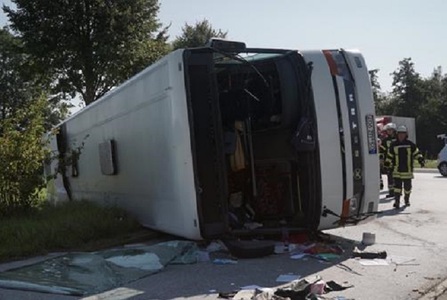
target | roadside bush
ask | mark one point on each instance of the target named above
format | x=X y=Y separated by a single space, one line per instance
x=22 y=153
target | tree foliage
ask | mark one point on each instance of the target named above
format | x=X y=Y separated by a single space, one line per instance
x=25 y=115
x=408 y=90
x=17 y=84
x=92 y=45
x=380 y=100
x=197 y=35
x=22 y=153
x=431 y=119
x=424 y=99
x=21 y=81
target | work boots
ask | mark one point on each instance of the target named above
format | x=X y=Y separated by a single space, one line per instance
x=390 y=193
x=407 y=200
x=396 y=201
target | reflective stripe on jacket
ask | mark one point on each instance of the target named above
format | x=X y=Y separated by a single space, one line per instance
x=385 y=146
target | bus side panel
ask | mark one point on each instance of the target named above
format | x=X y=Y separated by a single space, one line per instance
x=366 y=108
x=147 y=119
x=328 y=137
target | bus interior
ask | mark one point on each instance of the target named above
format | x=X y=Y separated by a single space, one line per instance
x=255 y=143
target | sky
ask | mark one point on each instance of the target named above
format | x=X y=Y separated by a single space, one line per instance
x=385 y=31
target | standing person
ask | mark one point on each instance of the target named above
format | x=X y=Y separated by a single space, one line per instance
x=401 y=156
x=390 y=137
x=379 y=142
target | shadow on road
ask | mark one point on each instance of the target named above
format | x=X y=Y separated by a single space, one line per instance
x=392 y=212
x=386 y=200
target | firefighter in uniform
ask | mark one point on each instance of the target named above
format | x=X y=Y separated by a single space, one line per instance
x=379 y=141
x=400 y=159
x=383 y=152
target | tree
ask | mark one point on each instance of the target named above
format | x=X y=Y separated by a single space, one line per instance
x=22 y=152
x=425 y=99
x=431 y=119
x=25 y=116
x=407 y=95
x=21 y=83
x=197 y=35
x=381 y=102
x=15 y=88
x=90 y=45
x=443 y=110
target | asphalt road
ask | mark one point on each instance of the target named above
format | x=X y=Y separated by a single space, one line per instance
x=415 y=235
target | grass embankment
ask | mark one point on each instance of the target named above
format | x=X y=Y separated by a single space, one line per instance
x=72 y=226
x=430 y=164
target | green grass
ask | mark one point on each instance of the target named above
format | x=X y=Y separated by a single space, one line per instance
x=72 y=226
x=431 y=164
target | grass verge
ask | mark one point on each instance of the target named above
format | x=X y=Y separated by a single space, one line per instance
x=431 y=164
x=71 y=226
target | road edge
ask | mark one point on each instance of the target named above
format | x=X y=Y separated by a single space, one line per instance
x=424 y=170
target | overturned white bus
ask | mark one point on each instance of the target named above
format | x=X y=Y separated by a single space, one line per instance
x=209 y=140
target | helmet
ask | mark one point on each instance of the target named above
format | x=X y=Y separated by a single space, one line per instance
x=390 y=126
x=402 y=128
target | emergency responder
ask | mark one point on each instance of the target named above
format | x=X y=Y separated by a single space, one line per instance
x=379 y=141
x=400 y=158
x=390 y=137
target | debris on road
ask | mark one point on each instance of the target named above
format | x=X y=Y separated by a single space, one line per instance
x=100 y=271
x=368 y=238
x=287 y=277
x=224 y=261
x=368 y=255
x=83 y=274
x=319 y=251
x=303 y=289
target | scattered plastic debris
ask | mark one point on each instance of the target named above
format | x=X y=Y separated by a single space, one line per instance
x=215 y=246
x=298 y=256
x=327 y=256
x=224 y=261
x=251 y=287
x=318 y=287
x=322 y=248
x=287 y=277
x=320 y=251
x=308 y=288
x=368 y=238
x=373 y=262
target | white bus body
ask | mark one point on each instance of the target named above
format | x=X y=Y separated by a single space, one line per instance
x=199 y=144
